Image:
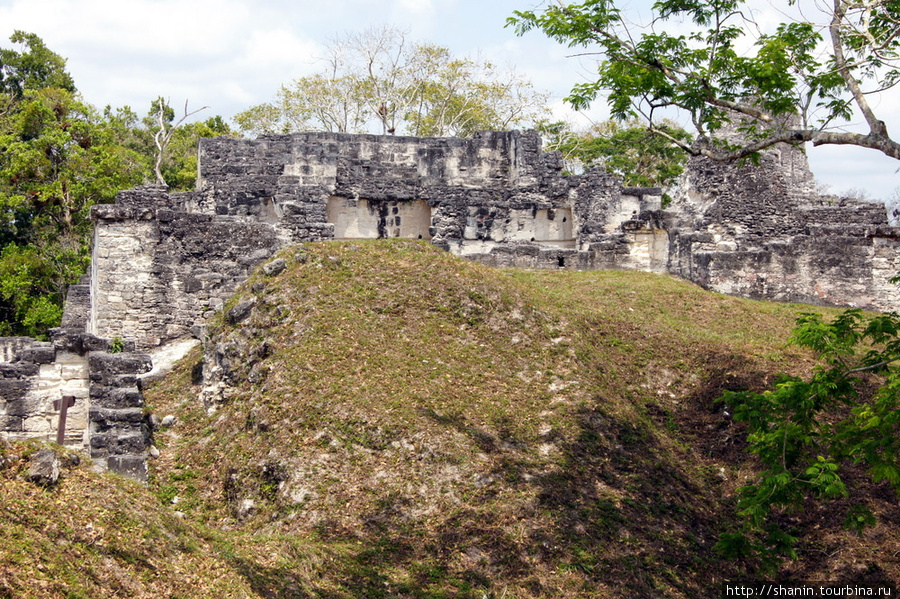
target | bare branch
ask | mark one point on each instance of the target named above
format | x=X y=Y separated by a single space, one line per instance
x=164 y=135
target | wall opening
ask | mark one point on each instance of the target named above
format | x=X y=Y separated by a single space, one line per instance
x=649 y=249
x=551 y=226
x=373 y=219
x=554 y=226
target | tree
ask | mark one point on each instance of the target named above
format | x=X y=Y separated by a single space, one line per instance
x=377 y=81
x=806 y=433
x=625 y=149
x=315 y=103
x=36 y=68
x=163 y=127
x=178 y=164
x=459 y=96
x=57 y=158
x=383 y=69
x=792 y=84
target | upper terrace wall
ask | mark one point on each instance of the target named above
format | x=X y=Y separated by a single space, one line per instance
x=763 y=232
x=163 y=261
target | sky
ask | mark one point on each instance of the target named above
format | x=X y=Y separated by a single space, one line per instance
x=233 y=54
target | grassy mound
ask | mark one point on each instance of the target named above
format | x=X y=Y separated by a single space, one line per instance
x=91 y=535
x=448 y=429
x=386 y=420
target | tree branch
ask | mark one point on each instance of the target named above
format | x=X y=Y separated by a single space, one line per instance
x=876 y=126
x=164 y=135
x=798 y=136
x=871 y=367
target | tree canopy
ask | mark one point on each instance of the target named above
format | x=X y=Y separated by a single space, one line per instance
x=795 y=83
x=377 y=81
x=58 y=157
x=37 y=67
x=624 y=149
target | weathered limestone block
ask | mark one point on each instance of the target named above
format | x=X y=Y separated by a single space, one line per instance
x=119 y=431
x=43 y=467
x=104 y=364
x=11 y=347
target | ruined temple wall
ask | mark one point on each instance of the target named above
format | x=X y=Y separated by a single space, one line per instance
x=825 y=268
x=123 y=287
x=470 y=196
x=157 y=272
x=375 y=167
x=761 y=232
x=107 y=420
x=163 y=262
x=240 y=174
x=33 y=375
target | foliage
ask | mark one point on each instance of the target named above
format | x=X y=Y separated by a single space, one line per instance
x=791 y=84
x=376 y=80
x=35 y=68
x=627 y=150
x=58 y=158
x=806 y=432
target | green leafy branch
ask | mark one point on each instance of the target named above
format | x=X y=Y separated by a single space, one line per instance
x=807 y=432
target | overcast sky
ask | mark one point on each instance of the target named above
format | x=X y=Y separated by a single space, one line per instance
x=232 y=54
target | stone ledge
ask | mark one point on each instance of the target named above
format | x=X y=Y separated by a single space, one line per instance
x=104 y=364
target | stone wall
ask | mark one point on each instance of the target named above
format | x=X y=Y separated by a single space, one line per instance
x=32 y=378
x=156 y=272
x=107 y=419
x=761 y=232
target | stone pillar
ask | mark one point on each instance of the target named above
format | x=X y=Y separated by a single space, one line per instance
x=122 y=282
x=119 y=431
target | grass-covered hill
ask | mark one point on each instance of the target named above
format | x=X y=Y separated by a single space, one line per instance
x=386 y=420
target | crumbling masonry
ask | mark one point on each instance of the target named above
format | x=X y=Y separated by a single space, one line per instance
x=163 y=262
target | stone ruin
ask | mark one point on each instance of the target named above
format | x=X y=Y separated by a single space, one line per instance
x=164 y=262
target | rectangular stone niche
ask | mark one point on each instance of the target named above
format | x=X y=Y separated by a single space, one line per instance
x=554 y=227
x=551 y=227
x=370 y=219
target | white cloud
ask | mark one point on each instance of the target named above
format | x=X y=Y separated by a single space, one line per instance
x=231 y=54
x=161 y=27
x=418 y=7
x=278 y=49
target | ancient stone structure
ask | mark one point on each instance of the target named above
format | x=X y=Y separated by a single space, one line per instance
x=107 y=419
x=163 y=262
x=763 y=232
